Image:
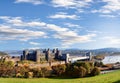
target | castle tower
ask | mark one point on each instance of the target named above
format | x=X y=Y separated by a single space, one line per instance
x=25 y=54
x=90 y=55
x=67 y=58
x=47 y=55
x=44 y=51
x=54 y=51
x=57 y=54
x=37 y=55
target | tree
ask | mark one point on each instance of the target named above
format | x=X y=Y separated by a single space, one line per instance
x=82 y=71
x=86 y=65
x=59 y=69
x=95 y=71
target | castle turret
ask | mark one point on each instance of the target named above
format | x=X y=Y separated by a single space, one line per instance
x=47 y=55
x=54 y=51
x=89 y=54
x=67 y=58
x=57 y=54
x=25 y=54
x=37 y=54
x=44 y=51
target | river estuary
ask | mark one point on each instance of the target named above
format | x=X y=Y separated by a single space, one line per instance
x=111 y=59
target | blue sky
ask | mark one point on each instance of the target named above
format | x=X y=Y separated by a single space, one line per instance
x=83 y=24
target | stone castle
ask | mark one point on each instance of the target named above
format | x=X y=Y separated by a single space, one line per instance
x=38 y=55
x=50 y=55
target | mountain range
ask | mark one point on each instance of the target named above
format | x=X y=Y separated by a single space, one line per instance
x=73 y=51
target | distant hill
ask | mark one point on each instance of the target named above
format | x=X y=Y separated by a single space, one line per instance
x=14 y=52
x=3 y=53
x=107 y=51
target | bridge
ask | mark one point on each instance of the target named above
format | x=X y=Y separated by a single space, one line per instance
x=77 y=58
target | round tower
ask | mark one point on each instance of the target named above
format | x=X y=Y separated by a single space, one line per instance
x=37 y=55
x=25 y=54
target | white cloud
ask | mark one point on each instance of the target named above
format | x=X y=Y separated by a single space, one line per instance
x=69 y=38
x=63 y=15
x=34 y=43
x=110 y=7
x=35 y=23
x=42 y=25
x=107 y=15
x=66 y=36
x=10 y=33
x=77 y=5
x=72 y=25
x=113 y=40
x=32 y=48
x=63 y=3
x=94 y=31
x=35 y=2
x=55 y=28
x=71 y=3
x=16 y=21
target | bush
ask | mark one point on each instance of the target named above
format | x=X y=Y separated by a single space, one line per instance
x=82 y=71
x=36 y=72
x=78 y=72
x=9 y=63
x=69 y=69
x=77 y=69
x=6 y=69
x=45 y=72
x=86 y=65
x=59 y=69
x=28 y=74
x=75 y=72
x=91 y=66
x=18 y=75
x=95 y=71
x=99 y=64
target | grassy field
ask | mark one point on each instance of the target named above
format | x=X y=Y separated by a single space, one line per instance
x=113 y=77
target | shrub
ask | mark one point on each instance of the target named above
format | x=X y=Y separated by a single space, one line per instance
x=45 y=72
x=6 y=69
x=9 y=63
x=86 y=65
x=91 y=66
x=82 y=71
x=36 y=72
x=59 y=69
x=78 y=72
x=98 y=64
x=75 y=72
x=69 y=69
x=95 y=71
x=18 y=75
x=23 y=70
x=28 y=74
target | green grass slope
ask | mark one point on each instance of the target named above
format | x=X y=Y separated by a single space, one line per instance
x=113 y=77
